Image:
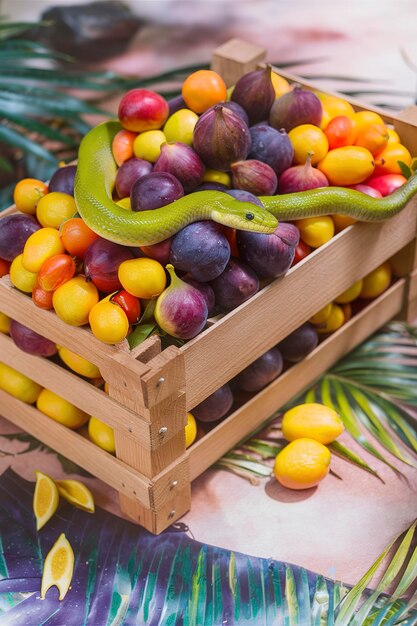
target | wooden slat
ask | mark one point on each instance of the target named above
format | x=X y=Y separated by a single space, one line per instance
x=215 y=356
x=235 y=58
x=255 y=412
x=78 y=391
x=76 y=448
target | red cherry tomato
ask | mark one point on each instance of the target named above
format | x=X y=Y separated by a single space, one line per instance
x=76 y=236
x=56 y=271
x=4 y=267
x=301 y=251
x=230 y=234
x=130 y=305
x=340 y=132
x=42 y=298
x=386 y=184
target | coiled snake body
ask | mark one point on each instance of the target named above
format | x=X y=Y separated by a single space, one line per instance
x=94 y=181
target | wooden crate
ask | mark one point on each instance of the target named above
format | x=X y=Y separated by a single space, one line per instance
x=150 y=390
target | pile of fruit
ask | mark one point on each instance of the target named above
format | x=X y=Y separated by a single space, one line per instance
x=260 y=138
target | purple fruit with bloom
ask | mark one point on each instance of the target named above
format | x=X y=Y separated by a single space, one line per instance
x=154 y=191
x=63 y=180
x=181 y=161
x=261 y=372
x=215 y=406
x=128 y=173
x=235 y=285
x=27 y=340
x=181 y=310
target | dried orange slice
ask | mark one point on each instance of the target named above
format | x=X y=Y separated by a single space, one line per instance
x=77 y=494
x=45 y=499
x=58 y=567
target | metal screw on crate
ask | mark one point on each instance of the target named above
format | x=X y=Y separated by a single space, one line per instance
x=160 y=381
x=163 y=431
x=171 y=514
x=173 y=484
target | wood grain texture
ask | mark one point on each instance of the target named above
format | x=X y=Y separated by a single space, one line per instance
x=255 y=412
x=76 y=448
x=235 y=58
x=285 y=304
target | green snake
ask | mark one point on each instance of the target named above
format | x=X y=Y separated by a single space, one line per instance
x=95 y=177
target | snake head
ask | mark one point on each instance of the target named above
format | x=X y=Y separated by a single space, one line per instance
x=243 y=216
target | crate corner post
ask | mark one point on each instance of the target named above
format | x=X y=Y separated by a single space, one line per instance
x=235 y=58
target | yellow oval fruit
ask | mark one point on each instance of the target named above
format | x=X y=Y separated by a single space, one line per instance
x=321 y=316
x=306 y=140
x=101 y=434
x=40 y=246
x=312 y=420
x=45 y=499
x=342 y=221
x=74 y=300
x=18 y=385
x=350 y=294
x=376 y=282
x=58 y=567
x=78 y=364
x=55 y=208
x=125 y=203
x=215 y=176
x=144 y=278
x=302 y=464
x=147 y=145
x=280 y=84
x=108 y=322
x=316 y=231
x=60 y=410
x=190 y=430
x=332 y=106
x=27 y=194
x=20 y=277
x=363 y=119
x=76 y=493
x=180 y=126
x=4 y=323
x=348 y=165
x=393 y=136
x=335 y=320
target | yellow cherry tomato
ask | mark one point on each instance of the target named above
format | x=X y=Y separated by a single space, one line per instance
x=27 y=194
x=342 y=221
x=55 y=208
x=280 y=84
x=217 y=177
x=316 y=231
x=321 y=316
x=376 y=282
x=180 y=126
x=4 y=323
x=190 y=430
x=350 y=294
x=40 y=246
x=393 y=136
x=101 y=434
x=307 y=140
x=386 y=161
x=373 y=137
x=18 y=385
x=108 y=322
x=335 y=320
x=143 y=277
x=20 y=277
x=147 y=145
x=60 y=410
x=74 y=300
x=348 y=165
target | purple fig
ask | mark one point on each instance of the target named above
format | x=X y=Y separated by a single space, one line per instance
x=244 y=196
x=271 y=146
x=27 y=340
x=128 y=173
x=269 y=255
x=154 y=191
x=299 y=343
x=211 y=185
x=236 y=108
x=183 y=162
x=235 y=285
x=261 y=372
x=215 y=406
x=298 y=106
x=63 y=180
x=254 y=176
x=175 y=104
x=301 y=178
x=205 y=289
x=181 y=310
x=15 y=229
x=255 y=93
x=221 y=137
x=202 y=249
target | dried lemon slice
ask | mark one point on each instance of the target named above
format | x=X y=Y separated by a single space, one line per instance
x=77 y=494
x=58 y=567
x=45 y=499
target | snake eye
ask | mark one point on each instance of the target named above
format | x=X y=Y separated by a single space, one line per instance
x=249 y=216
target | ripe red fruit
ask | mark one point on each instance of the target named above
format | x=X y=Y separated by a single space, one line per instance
x=301 y=251
x=141 y=109
x=130 y=305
